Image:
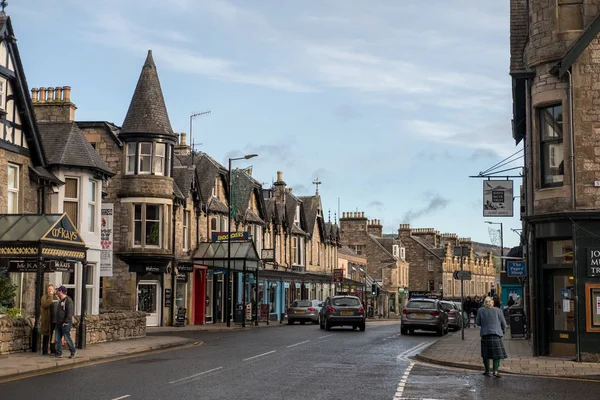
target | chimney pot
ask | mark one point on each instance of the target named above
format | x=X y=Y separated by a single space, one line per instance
x=67 y=92
x=290 y=190
x=42 y=95
x=362 y=214
x=279 y=176
x=51 y=94
x=34 y=95
x=183 y=139
x=58 y=93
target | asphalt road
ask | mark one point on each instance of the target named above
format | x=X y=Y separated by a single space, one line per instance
x=286 y=362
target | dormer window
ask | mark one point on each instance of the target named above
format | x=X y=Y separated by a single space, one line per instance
x=396 y=250
x=297 y=216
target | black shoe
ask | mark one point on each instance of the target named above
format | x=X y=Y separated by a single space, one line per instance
x=486 y=374
x=73 y=354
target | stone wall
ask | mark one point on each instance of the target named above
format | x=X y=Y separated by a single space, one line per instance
x=15 y=333
x=418 y=258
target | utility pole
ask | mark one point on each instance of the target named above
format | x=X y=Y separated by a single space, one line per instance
x=462 y=285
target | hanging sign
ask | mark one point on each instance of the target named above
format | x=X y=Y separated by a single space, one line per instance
x=63 y=231
x=338 y=275
x=106 y=240
x=497 y=198
x=515 y=269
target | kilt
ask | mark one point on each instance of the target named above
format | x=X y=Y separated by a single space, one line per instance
x=492 y=348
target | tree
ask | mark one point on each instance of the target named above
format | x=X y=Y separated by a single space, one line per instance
x=7 y=291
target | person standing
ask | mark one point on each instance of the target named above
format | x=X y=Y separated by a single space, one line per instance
x=493 y=325
x=64 y=322
x=48 y=319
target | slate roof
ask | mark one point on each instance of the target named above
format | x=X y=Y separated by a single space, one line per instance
x=428 y=247
x=312 y=205
x=243 y=187
x=65 y=145
x=184 y=178
x=381 y=243
x=207 y=170
x=177 y=191
x=147 y=111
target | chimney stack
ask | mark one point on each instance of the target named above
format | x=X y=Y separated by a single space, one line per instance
x=183 y=139
x=181 y=148
x=279 y=188
x=53 y=104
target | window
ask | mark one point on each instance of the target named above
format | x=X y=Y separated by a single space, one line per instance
x=297 y=216
x=186 y=222
x=298 y=250
x=558 y=252
x=430 y=266
x=257 y=237
x=13 y=189
x=91 y=218
x=145 y=158
x=403 y=253
x=159 y=159
x=551 y=151
x=431 y=285
x=147 y=225
x=89 y=287
x=71 y=202
x=359 y=250
x=395 y=250
x=130 y=160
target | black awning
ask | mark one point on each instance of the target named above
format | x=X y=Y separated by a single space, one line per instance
x=51 y=236
x=214 y=254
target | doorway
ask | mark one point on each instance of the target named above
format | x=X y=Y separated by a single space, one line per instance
x=560 y=312
x=201 y=297
x=149 y=301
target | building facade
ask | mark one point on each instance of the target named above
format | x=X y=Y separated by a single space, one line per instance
x=555 y=59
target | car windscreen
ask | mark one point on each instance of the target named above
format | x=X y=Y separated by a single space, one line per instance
x=420 y=304
x=447 y=307
x=302 y=303
x=346 y=301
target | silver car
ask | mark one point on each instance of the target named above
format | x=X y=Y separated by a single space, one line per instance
x=343 y=311
x=304 y=310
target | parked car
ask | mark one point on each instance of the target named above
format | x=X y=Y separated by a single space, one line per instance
x=424 y=314
x=303 y=311
x=465 y=316
x=343 y=311
x=455 y=319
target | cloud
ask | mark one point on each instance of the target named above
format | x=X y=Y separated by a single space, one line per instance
x=347 y=112
x=433 y=156
x=436 y=203
x=377 y=205
x=483 y=153
x=280 y=154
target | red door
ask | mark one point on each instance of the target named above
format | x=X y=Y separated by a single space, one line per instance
x=199 y=295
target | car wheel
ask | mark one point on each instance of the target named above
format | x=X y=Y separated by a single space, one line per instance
x=354 y=327
x=440 y=331
x=327 y=326
x=290 y=322
x=404 y=331
x=363 y=326
x=302 y=322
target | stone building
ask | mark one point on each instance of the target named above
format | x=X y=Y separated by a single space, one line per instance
x=554 y=64
x=385 y=263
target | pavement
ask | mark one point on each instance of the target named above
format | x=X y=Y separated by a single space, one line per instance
x=452 y=351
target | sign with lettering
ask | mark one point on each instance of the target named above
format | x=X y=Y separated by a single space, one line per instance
x=497 y=198
x=515 y=269
x=61 y=266
x=338 y=275
x=185 y=267
x=145 y=269
x=168 y=298
x=106 y=239
x=267 y=254
x=222 y=236
x=49 y=266
x=593 y=261
x=180 y=319
x=63 y=231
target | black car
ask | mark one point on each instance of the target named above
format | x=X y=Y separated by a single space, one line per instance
x=343 y=311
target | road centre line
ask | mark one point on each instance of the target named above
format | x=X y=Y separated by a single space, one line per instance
x=192 y=376
x=297 y=344
x=323 y=337
x=122 y=397
x=260 y=355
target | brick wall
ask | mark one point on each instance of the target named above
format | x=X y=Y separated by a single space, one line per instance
x=518 y=33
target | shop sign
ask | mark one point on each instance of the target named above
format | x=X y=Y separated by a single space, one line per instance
x=307 y=285
x=180 y=319
x=106 y=240
x=182 y=277
x=297 y=285
x=185 y=267
x=338 y=275
x=286 y=285
x=593 y=261
x=61 y=266
x=515 y=269
x=145 y=269
x=168 y=298
x=63 y=231
x=49 y=266
x=23 y=266
x=497 y=198
x=222 y=236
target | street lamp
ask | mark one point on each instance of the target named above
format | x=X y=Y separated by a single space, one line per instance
x=227 y=288
x=501 y=243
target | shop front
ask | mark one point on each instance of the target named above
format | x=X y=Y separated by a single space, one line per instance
x=40 y=244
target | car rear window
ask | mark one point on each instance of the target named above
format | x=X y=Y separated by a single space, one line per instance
x=346 y=301
x=447 y=307
x=420 y=304
x=302 y=303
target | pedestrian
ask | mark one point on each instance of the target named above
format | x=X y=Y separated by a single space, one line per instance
x=493 y=325
x=48 y=319
x=497 y=302
x=64 y=322
x=511 y=302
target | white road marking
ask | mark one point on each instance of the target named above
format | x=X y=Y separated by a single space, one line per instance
x=122 y=397
x=410 y=352
x=191 y=376
x=260 y=355
x=297 y=344
x=323 y=337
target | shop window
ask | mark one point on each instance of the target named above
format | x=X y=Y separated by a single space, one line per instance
x=14 y=185
x=558 y=252
x=148 y=225
x=91 y=217
x=181 y=294
x=551 y=140
x=592 y=307
x=71 y=202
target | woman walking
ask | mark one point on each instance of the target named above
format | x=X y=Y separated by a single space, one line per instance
x=493 y=326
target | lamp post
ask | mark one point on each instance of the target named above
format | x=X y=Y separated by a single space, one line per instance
x=227 y=288
x=501 y=243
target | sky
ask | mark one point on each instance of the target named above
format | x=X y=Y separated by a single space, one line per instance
x=392 y=104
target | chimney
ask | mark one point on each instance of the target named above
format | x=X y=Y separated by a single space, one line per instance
x=290 y=190
x=375 y=228
x=279 y=188
x=182 y=147
x=183 y=138
x=426 y=234
x=404 y=231
x=353 y=222
x=53 y=104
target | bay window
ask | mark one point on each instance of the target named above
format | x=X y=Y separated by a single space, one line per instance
x=130 y=160
x=71 y=202
x=148 y=225
x=159 y=159
x=551 y=140
x=145 y=158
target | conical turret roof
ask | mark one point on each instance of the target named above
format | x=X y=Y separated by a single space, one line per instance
x=147 y=111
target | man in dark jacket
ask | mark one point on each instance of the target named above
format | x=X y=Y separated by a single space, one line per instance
x=64 y=322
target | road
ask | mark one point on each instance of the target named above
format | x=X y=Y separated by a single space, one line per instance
x=287 y=362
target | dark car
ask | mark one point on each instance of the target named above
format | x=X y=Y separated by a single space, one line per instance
x=455 y=319
x=343 y=311
x=424 y=314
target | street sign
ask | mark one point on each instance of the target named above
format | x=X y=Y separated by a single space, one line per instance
x=462 y=275
x=515 y=269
